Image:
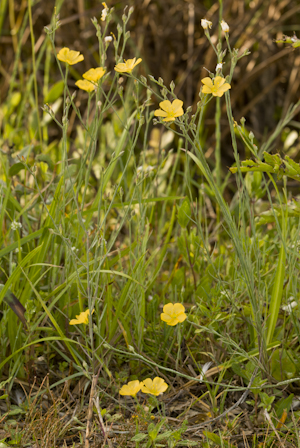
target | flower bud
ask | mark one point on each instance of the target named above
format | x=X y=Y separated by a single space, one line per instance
x=225 y=26
x=206 y=24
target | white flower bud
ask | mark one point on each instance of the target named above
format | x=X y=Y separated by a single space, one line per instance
x=225 y=26
x=206 y=24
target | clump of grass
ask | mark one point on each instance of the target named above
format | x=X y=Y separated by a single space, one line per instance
x=122 y=261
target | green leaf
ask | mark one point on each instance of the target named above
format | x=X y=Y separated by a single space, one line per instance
x=16 y=168
x=55 y=92
x=284 y=404
x=139 y=437
x=15 y=305
x=282 y=365
x=45 y=158
x=216 y=439
x=276 y=294
x=273 y=160
x=165 y=435
x=184 y=213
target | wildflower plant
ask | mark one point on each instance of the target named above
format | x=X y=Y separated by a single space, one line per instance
x=97 y=195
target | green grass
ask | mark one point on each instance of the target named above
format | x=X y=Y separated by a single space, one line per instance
x=122 y=213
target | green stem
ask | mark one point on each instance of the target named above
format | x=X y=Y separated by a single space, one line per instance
x=34 y=73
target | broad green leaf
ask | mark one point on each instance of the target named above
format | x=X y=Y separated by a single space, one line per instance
x=216 y=439
x=139 y=437
x=16 y=168
x=184 y=213
x=282 y=365
x=45 y=158
x=276 y=294
x=55 y=92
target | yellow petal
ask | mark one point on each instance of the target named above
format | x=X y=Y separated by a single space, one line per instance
x=169 y=119
x=165 y=317
x=177 y=104
x=132 y=388
x=206 y=89
x=160 y=113
x=160 y=384
x=219 y=81
x=94 y=74
x=82 y=318
x=71 y=57
x=147 y=385
x=207 y=82
x=165 y=105
x=178 y=308
x=181 y=317
x=172 y=322
x=168 y=308
x=85 y=85
x=221 y=90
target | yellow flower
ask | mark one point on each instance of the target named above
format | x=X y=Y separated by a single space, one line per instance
x=155 y=387
x=132 y=388
x=94 y=74
x=85 y=85
x=216 y=88
x=71 y=57
x=206 y=24
x=83 y=318
x=169 y=110
x=127 y=66
x=173 y=314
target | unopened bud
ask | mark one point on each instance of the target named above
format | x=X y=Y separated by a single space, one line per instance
x=225 y=26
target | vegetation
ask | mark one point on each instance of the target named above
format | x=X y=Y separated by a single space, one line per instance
x=149 y=294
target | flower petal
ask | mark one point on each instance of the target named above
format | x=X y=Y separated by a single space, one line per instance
x=160 y=113
x=222 y=90
x=178 y=308
x=121 y=67
x=207 y=82
x=138 y=61
x=85 y=85
x=169 y=119
x=181 y=317
x=172 y=322
x=94 y=74
x=219 y=81
x=147 y=386
x=206 y=89
x=160 y=384
x=132 y=388
x=168 y=308
x=177 y=104
x=165 y=105
x=166 y=317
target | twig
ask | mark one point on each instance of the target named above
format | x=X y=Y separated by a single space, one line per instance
x=268 y=418
x=90 y=411
x=102 y=425
x=240 y=400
